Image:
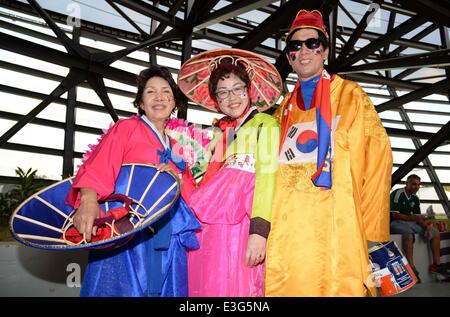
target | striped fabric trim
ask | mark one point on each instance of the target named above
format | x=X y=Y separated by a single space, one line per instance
x=397 y=195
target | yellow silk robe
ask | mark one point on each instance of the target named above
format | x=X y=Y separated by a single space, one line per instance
x=318 y=240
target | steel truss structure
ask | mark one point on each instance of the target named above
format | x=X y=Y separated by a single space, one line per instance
x=389 y=60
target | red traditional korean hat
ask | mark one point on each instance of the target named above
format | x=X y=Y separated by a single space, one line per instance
x=308 y=20
x=265 y=81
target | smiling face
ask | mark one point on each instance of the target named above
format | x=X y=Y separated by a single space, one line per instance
x=306 y=62
x=236 y=101
x=157 y=100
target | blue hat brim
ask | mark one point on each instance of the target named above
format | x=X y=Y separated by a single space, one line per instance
x=41 y=219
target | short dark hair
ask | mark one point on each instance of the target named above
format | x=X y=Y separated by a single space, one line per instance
x=322 y=38
x=164 y=73
x=223 y=70
x=412 y=176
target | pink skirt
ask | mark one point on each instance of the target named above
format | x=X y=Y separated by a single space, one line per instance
x=223 y=207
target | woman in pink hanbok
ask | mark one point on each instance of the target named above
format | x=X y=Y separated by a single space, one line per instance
x=233 y=202
x=153 y=263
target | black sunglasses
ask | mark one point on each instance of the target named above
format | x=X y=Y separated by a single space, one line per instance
x=312 y=43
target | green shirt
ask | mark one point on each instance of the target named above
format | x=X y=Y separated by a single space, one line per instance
x=400 y=202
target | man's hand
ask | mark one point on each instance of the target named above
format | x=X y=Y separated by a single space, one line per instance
x=421 y=220
x=256 y=250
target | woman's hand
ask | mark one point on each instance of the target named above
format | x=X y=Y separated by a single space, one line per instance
x=256 y=250
x=167 y=168
x=87 y=212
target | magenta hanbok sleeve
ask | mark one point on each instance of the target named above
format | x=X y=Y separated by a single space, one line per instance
x=102 y=167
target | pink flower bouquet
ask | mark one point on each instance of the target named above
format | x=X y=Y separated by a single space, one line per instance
x=193 y=143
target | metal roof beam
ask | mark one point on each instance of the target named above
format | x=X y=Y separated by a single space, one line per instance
x=439 y=58
x=333 y=35
x=232 y=40
x=97 y=83
x=50 y=123
x=415 y=95
x=445 y=40
x=416 y=38
x=74 y=77
x=371 y=36
x=153 y=12
x=285 y=14
x=436 y=10
x=396 y=33
x=50 y=55
x=427 y=163
x=86 y=33
x=129 y=20
x=172 y=11
x=356 y=34
x=424 y=124
x=414 y=151
x=229 y=11
x=390 y=7
x=71 y=46
x=373 y=79
x=410 y=134
x=60 y=100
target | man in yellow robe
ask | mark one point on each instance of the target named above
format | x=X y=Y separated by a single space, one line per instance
x=333 y=183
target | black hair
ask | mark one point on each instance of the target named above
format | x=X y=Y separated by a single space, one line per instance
x=223 y=70
x=412 y=176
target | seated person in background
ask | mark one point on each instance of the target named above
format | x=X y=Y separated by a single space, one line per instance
x=407 y=220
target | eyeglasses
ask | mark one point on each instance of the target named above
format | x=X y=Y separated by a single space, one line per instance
x=295 y=45
x=224 y=93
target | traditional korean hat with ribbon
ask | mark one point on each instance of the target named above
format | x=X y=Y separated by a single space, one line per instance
x=265 y=81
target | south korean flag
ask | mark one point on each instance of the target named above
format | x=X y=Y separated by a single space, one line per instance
x=300 y=144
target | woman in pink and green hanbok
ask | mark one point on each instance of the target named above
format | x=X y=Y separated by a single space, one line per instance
x=234 y=199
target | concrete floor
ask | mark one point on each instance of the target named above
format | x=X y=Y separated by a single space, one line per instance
x=428 y=289
x=32 y=272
